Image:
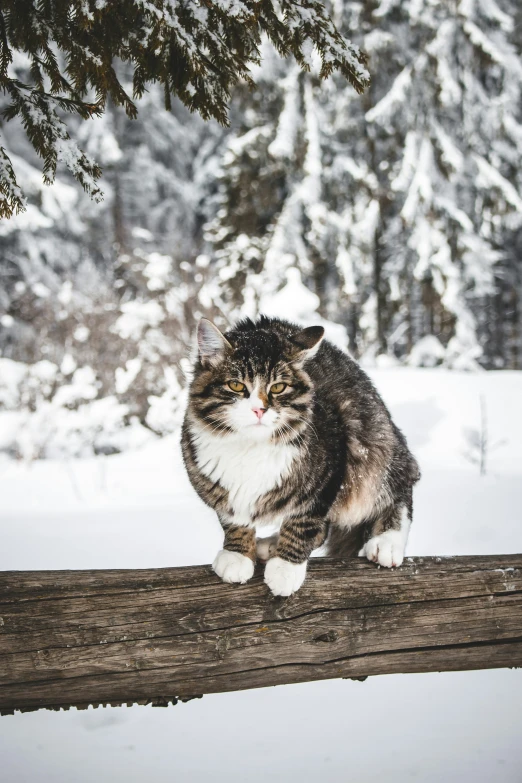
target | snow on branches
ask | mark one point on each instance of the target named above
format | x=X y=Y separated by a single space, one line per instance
x=197 y=50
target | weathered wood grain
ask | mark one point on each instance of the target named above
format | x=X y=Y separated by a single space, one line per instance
x=112 y=637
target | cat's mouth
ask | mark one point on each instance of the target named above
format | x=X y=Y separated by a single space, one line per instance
x=258 y=427
x=250 y=422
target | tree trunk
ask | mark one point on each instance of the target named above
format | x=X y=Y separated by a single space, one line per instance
x=111 y=637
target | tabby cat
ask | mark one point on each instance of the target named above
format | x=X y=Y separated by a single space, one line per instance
x=283 y=428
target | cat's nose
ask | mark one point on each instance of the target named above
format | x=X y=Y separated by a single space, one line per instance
x=259 y=412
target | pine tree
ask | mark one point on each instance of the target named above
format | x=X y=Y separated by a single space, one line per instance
x=296 y=193
x=401 y=210
x=396 y=215
x=450 y=126
x=197 y=51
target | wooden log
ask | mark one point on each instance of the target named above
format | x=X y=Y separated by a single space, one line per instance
x=74 y=638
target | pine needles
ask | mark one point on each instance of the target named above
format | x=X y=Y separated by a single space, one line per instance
x=197 y=49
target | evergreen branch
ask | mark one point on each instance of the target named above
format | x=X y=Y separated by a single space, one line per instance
x=36 y=73
x=307 y=20
x=6 y=58
x=11 y=197
x=49 y=136
x=199 y=50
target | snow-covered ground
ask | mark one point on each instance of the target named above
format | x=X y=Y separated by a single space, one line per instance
x=137 y=510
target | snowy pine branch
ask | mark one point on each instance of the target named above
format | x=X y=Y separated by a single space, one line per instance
x=11 y=197
x=49 y=136
x=197 y=50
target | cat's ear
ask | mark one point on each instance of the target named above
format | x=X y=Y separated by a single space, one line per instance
x=212 y=345
x=307 y=342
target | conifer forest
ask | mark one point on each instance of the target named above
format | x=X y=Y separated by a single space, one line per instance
x=391 y=212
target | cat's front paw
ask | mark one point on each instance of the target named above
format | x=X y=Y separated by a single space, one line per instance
x=284 y=578
x=386 y=549
x=233 y=566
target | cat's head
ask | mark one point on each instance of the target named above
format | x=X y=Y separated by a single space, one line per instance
x=251 y=380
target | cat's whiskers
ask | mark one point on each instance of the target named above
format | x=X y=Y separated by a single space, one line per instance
x=284 y=433
x=279 y=435
x=309 y=424
x=217 y=426
x=287 y=430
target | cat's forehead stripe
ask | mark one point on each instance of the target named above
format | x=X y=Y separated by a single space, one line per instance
x=253 y=367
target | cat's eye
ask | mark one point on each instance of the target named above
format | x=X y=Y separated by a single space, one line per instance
x=277 y=388
x=236 y=386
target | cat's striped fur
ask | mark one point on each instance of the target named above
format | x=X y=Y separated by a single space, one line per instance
x=320 y=459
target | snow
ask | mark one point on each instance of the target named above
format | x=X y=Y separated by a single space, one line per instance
x=11 y=376
x=142 y=233
x=157 y=271
x=82 y=387
x=137 y=510
x=490 y=9
x=100 y=141
x=300 y=305
x=385 y=7
x=490 y=177
x=68 y=365
x=125 y=377
x=283 y=144
x=311 y=186
x=450 y=152
x=393 y=98
x=294 y=299
x=136 y=317
x=165 y=411
x=478 y=38
x=81 y=333
x=427 y=352
x=421 y=184
x=45 y=415
x=344 y=263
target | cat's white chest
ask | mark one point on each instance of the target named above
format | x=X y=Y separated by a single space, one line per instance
x=246 y=468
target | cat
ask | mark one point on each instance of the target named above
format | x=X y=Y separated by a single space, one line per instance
x=282 y=428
